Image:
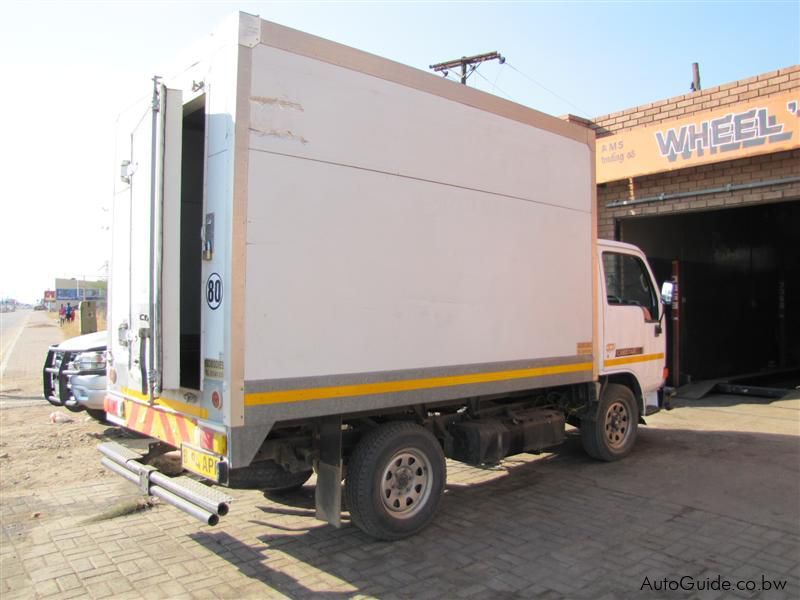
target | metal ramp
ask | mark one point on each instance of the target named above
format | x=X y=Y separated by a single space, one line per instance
x=775 y=384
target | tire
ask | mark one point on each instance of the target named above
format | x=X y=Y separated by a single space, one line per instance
x=54 y=402
x=611 y=433
x=98 y=414
x=269 y=476
x=74 y=406
x=395 y=480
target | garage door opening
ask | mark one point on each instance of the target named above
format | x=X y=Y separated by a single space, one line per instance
x=740 y=286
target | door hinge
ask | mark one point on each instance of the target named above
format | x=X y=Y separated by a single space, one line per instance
x=208 y=237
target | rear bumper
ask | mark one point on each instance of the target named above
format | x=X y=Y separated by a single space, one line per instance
x=194 y=498
x=203 y=446
x=171 y=427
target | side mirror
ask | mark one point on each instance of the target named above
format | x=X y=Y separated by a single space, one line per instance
x=667 y=290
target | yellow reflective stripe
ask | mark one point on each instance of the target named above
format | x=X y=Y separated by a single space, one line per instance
x=627 y=360
x=183 y=407
x=134 y=394
x=174 y=429
x=176 y=405
x=407 y=385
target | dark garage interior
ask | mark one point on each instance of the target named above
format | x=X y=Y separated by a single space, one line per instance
x=739 y=275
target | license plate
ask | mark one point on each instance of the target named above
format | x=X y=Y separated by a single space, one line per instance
x=200 y=462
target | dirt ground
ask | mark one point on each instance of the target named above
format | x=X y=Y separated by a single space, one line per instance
x=36 y=452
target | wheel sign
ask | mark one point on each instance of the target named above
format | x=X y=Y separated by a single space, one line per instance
x=214 y=291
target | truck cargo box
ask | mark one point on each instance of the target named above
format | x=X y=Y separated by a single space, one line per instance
x=317 y=250
x=372 y=235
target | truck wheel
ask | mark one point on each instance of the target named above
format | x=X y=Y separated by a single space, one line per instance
x=395 y=479
x=611 y=433
x=269 y=476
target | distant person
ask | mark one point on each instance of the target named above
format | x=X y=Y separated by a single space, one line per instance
x=69 y=312
x=62 y=315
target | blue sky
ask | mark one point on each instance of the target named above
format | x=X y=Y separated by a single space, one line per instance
x=74 y=65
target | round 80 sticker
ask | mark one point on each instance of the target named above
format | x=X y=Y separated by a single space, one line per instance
x=214 y=291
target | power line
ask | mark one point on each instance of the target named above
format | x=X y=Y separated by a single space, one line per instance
x=496 y=77
x=494 y=86
x=532 y=80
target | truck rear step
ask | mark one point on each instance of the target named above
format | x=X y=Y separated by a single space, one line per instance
x=192 y=497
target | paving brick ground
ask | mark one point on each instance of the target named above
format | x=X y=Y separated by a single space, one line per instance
x=713 y=489
x=554 y=526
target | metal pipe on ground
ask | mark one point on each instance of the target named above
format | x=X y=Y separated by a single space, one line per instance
x=181 y=503
x=119 y=470
x=198 y=513
x=134 y=467
x=218 y=508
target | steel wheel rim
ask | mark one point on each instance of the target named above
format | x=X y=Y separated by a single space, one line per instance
x=406 y=483
x=617 y=425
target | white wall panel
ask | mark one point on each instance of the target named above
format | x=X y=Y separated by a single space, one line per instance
x=390 y=228
x=308 y=108
x=355 y=271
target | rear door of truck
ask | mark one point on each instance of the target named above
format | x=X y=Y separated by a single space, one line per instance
x=167 y=279
x=143 y=328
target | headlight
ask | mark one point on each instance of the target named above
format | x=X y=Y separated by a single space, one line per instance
x=90 y=361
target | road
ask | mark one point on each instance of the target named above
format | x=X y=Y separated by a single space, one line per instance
x=25 y=336
x=11 y=326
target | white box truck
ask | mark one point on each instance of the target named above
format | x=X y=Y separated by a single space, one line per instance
x=325 y=261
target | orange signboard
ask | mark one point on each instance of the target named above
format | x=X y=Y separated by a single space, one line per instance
x=758 y=126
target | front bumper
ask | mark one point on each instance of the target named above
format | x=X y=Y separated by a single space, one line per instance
x=71 y=388
x=89 y=390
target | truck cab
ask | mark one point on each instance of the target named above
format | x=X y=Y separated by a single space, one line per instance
x=634 y=342
x=632 y=348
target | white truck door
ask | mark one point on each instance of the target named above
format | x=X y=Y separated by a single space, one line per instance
x=634 y=341
x=154 y=180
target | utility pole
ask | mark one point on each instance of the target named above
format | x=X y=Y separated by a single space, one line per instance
x=467 y=61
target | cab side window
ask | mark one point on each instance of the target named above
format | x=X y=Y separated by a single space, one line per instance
x=628 y=282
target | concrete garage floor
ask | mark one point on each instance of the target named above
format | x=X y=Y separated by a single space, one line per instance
x=712 y=490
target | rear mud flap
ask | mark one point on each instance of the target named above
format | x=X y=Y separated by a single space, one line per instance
x=328 y=495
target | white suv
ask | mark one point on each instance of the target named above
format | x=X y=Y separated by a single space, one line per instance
x=74 y=374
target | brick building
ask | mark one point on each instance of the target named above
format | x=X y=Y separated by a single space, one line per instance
x=708 y=185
